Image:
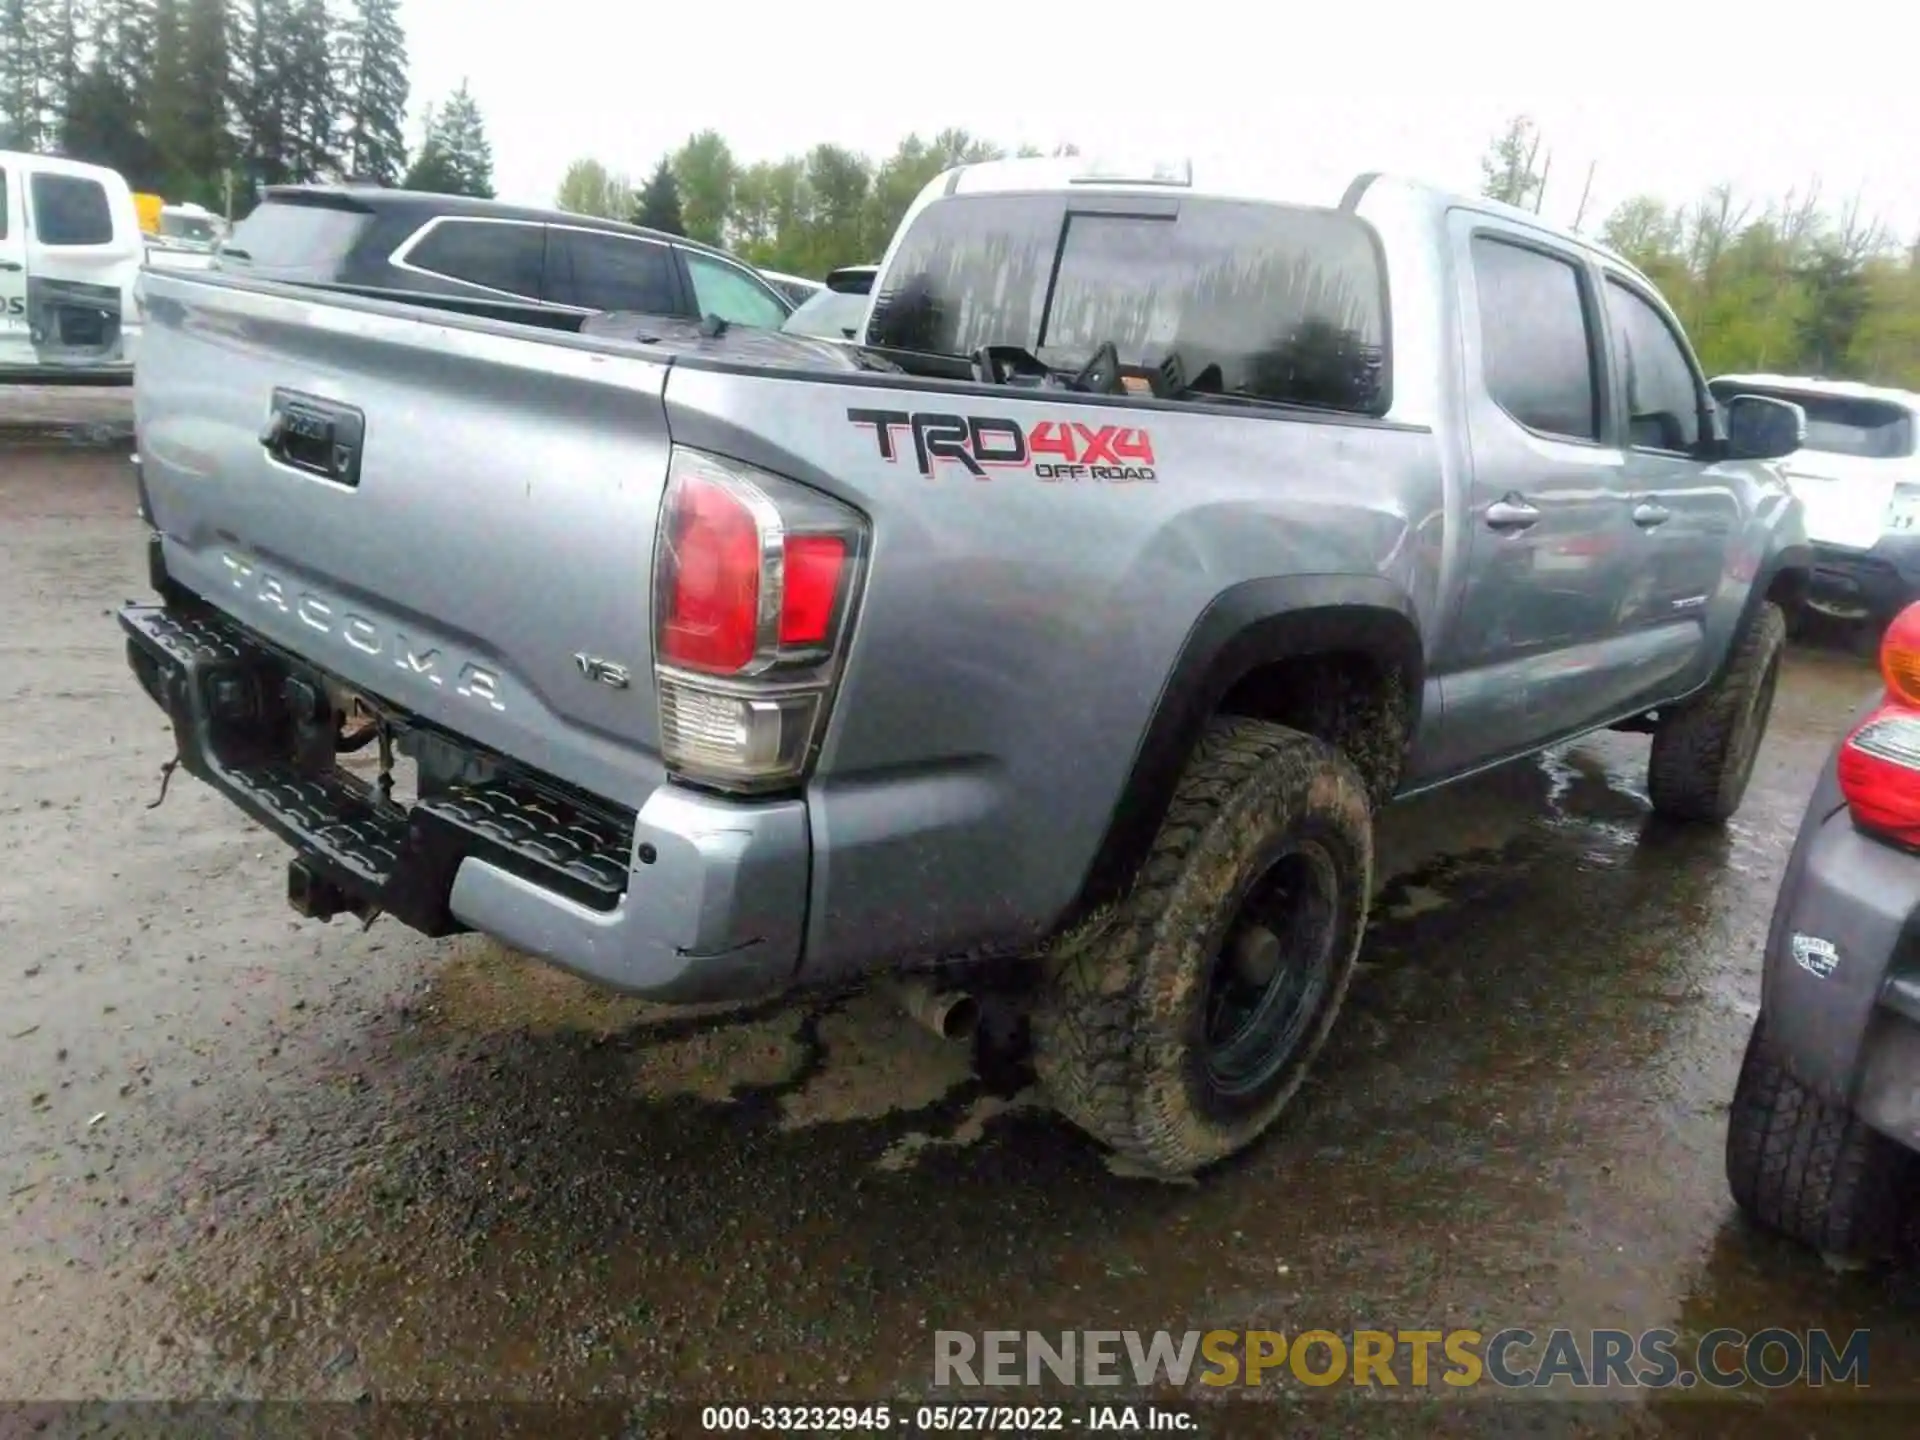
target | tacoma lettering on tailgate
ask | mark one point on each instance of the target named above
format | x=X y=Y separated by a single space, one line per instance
x=471 y=681
x=1054 y=450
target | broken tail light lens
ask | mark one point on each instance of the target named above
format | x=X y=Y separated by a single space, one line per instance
x=755 y=578
x=1879 y=763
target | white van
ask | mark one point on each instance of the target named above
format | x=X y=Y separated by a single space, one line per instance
x=70 y=252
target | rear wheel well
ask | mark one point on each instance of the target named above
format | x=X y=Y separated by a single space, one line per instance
x=1353 y=700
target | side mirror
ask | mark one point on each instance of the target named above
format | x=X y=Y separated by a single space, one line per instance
x=1759 y=428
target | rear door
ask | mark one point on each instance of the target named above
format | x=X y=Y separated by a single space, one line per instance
x=16 y=345
x=83 y=251
x=1527 y=656
x=602 y=270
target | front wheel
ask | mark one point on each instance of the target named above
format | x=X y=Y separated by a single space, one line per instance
x=1704 y=751
x=1175 y=1030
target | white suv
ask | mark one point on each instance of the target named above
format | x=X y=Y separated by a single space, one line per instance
x=1858 y=477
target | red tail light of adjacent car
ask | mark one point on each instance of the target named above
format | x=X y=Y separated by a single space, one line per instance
x=1879 y=763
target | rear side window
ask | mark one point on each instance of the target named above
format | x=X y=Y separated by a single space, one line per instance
x=70 y=210
x=1270 y=302
x=1536 y=351
x=510 y=258
x=305 y=240
x=613 y=272
x=1663 y=394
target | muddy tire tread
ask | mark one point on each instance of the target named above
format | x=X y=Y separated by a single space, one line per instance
x=1808 y=1169
x=1088 y=1036
x=1687 y=770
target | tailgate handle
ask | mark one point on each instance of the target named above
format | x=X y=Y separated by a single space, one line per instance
x=315 y=436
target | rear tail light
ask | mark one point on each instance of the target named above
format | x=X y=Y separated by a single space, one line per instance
x=755 y=579
x=1879 y=764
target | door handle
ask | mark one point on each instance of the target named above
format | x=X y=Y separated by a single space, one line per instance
x=1647 y=515
x=11 y=267
x=1511 y=513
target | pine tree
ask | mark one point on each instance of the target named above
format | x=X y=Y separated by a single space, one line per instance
x=39 y=68
x=106 y=119
x=373 y=85
x=432 y=169
x=261 y=103
x=308 y=91
x=463 y=133
x=659 y=207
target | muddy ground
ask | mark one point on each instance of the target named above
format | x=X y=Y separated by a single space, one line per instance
x=242 y=1155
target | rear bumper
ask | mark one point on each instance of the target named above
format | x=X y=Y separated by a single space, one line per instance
x=692 y=899
x=1843 y=976
x=1866 y=584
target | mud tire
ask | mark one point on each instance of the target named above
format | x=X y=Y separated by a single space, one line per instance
x=1120 y=1023
x=1808 y=1169
x=1704 y=751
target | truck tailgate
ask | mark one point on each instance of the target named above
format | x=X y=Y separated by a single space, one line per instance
x=385 y=493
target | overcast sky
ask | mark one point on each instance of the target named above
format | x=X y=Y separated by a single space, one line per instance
x=1667 y=98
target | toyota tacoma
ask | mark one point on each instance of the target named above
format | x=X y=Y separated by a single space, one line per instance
x=1057 y=637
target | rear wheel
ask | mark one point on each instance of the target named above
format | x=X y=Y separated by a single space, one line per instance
x=1176 y=1029
x=1808 y=1169
x=1704 y=751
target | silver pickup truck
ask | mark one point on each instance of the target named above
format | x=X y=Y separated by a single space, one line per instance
x=1056 y=641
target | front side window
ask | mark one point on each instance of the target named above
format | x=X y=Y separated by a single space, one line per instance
x=1663 y=395
x=490 y=253
x=70 y=210
x=1536 y=352
x=729 y=292
x=1264 y=301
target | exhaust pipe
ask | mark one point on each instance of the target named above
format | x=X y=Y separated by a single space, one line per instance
x=950 y=1014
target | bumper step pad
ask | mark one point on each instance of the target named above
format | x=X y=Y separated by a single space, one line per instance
x=221 y=688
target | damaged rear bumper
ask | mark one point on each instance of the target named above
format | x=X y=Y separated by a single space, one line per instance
x=692 y=899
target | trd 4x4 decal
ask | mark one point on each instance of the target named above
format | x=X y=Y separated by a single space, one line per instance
x=1054 y=450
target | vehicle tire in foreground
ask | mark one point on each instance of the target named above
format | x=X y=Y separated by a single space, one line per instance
x=1176 y=1028
x=1704 y=750
x=1808 y=1169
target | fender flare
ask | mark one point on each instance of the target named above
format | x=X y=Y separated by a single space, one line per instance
x=1255 y=623
x=1795 y=558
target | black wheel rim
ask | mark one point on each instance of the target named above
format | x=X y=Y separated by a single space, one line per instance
x=1272 y=971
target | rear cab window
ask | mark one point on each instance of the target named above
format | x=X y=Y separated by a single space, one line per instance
x=69 y=210
x=504 y=256
x=1861 y=426
x=1259 y=301
x=297 y=240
